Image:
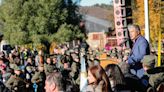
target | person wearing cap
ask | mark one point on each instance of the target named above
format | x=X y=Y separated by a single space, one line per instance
x=54 y=61
x=132 y=81
x=75 y=66
x=49 y=67
x=39 y=78
x=16 y=83
x=149 y=64
x=139 y=50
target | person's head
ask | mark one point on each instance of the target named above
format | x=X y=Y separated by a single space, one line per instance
x=96 y=74
x=119 y=56
x=115 y=75
x=1 y=61
x=54 y=82
x=10 y=56
x=125 y=68
x=91 y=57
x=2 y=54
x=54 y=59
x=148 y=62
x=75 y=57
x=40 y=53
x=134 y=31
x=29 y=60
x=17 y=70
x=48 y=60
x=41 y=68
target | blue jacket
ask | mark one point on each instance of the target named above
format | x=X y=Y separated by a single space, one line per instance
x=139 y=50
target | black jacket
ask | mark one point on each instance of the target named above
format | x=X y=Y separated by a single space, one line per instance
x=3 y=88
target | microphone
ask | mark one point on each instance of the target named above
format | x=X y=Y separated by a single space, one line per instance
x=123 y=42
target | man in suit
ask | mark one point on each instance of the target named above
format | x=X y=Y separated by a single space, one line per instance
x=139 y=50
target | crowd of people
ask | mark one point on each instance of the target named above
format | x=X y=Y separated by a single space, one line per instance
x=27 y=70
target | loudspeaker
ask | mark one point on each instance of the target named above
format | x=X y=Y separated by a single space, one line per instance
x=121 y=35
x=120 y=23
x=120 y=12
x=119 y=2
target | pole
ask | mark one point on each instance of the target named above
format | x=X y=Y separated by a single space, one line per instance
x=159 y=48
x=146 y=7
x=83 y=74
x=159 y=38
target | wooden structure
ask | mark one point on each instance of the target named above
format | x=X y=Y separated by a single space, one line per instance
x=104 y=60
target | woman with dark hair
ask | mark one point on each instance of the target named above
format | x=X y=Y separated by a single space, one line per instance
x=98 y=80
x=116 y=77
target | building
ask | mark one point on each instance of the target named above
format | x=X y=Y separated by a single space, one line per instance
x=97 y=26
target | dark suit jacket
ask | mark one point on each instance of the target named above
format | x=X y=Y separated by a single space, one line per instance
x=139 y=50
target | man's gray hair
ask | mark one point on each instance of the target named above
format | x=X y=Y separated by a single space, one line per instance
x=57 y=79
x=136 y=27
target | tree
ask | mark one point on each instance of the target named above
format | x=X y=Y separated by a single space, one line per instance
x=67 y=33
x=154 y=17
x=35 y=21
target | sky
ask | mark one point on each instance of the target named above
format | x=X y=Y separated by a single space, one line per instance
x=93 y=2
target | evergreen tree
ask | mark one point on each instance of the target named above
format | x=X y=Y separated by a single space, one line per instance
x=36 y=21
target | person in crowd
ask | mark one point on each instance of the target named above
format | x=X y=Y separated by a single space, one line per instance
x=125 y=53
x=92 y=61
x=5 y=71
x=75 y=66
x=10 y=58
x=49 y=67
x=155 y=77
x=17 y=82
x=72 y=79
x=29 y=69
x=4 y=58
x=132 y=81
x=107 y=46
x=39 y=78
x=97 y=80
x=2 y=67
x=54 y=82
x=116 y=78
x=25 y=55
x=139 y=50
x=3 y=88
x=39 y=59
x=54 y=60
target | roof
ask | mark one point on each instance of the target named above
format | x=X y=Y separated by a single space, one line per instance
x=98 y=12
x=95 y=20
x=93 y=24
